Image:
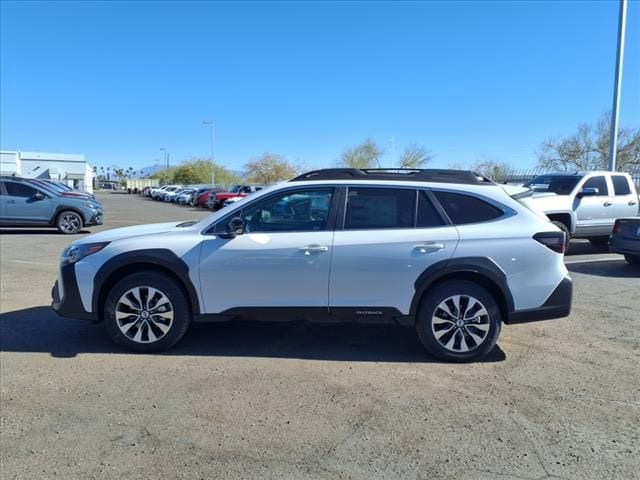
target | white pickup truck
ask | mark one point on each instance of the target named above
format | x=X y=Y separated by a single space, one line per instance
x=582 y=204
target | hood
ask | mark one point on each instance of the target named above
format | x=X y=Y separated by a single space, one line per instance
x=128 y=232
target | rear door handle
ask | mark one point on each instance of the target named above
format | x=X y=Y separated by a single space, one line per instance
x=309 y=249
x=429 y=247
x=607 y=204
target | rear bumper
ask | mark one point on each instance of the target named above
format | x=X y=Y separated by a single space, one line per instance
x=625 y=246
x=558 y=305
x=69 y=304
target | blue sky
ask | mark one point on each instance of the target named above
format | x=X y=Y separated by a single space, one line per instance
x=468 y=80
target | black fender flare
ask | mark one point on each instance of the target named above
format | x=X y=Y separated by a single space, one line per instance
x=160 y=259
x=482 y=266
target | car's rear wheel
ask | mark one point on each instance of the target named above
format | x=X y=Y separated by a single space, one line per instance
x=458 y=321
x=632 y=259
x=69 y=222
x=147 y=312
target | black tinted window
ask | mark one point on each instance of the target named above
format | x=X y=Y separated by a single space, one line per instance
x=621 y=185
x=597 y=182
x=370 y=208
x=467 y=209
x=19 y=189
x=428 y=216
x=300 y=211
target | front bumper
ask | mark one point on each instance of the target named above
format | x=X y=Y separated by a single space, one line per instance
x=96 y=219
x=69 y=304
x=558 y=305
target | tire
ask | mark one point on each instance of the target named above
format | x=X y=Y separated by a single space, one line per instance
x=478 y=334
x=599 y=241
x=140 y=332
x=632 y=259
x=69 y=222
x=567 y=234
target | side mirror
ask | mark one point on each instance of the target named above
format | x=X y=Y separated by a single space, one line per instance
x=589 y=191
x=39 y=196
x=234 y=227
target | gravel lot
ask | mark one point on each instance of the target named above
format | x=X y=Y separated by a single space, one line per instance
x=557 y=399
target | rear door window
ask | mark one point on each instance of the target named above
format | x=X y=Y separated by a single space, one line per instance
x=463 y=209
x=379 y=208
x=620 y=185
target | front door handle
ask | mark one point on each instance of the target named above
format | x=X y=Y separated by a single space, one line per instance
x=631 y=203
x=429 y=247
x=607 y=204
x=11 y=201
x=309 y=249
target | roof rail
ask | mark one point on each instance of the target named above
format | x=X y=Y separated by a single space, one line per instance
x=403 y=174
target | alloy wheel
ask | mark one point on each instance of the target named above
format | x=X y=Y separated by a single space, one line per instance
x=460 y=323
x=144 y=314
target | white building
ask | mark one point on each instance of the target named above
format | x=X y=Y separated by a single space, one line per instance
x=70 y=169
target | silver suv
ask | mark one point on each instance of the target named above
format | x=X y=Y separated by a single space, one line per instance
x=448 y=252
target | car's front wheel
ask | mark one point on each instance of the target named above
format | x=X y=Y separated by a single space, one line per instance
x=147 y=312
x=69 y=222
x=458 y=321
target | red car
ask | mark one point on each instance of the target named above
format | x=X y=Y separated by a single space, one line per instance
x=217 y=201
x=202 y=196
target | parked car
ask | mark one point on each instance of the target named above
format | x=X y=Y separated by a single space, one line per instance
x=201 y=199
x=446 y=251
x=625 y=239
x=185 y=196
x=25 y=203
x=216 y=201
x=154 y=193
x=170 y=193
x=583 y=204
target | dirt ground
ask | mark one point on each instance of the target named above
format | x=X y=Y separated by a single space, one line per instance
x=556 y=399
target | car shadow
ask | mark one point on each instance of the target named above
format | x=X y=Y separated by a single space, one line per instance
x=585 y=247
x=39 y=329
x=35 y=231
x=618 y=268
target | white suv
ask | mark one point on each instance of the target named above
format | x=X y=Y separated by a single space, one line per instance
x=447 y=251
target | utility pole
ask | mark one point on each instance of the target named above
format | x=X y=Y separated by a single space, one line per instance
x=213 y=168
x=393 y=152
x=617 y=86
x=166 y=163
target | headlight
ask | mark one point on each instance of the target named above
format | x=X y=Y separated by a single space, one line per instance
x=78 y=252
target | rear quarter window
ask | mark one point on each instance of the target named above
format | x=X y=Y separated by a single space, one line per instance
x=463 y=209
x=621 y=185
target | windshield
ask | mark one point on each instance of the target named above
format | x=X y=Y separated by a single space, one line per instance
x=235 y=188
x=558 y=184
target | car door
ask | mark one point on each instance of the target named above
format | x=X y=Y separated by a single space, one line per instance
x=626 y=201
x=22 y=205
x=594 y=213
x=281 y=260
x=382 y=247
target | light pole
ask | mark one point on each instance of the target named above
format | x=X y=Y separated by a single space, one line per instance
x=617 y=86
x=166 y=163
x=213 y=169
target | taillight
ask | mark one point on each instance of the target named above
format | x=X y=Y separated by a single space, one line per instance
x=553 y=240
x=616 y=227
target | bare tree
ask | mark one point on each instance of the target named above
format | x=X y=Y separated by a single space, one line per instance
x=365 y=155
x=493 y=169
x=415 y=156
x=270 y=168
x=588 y=148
